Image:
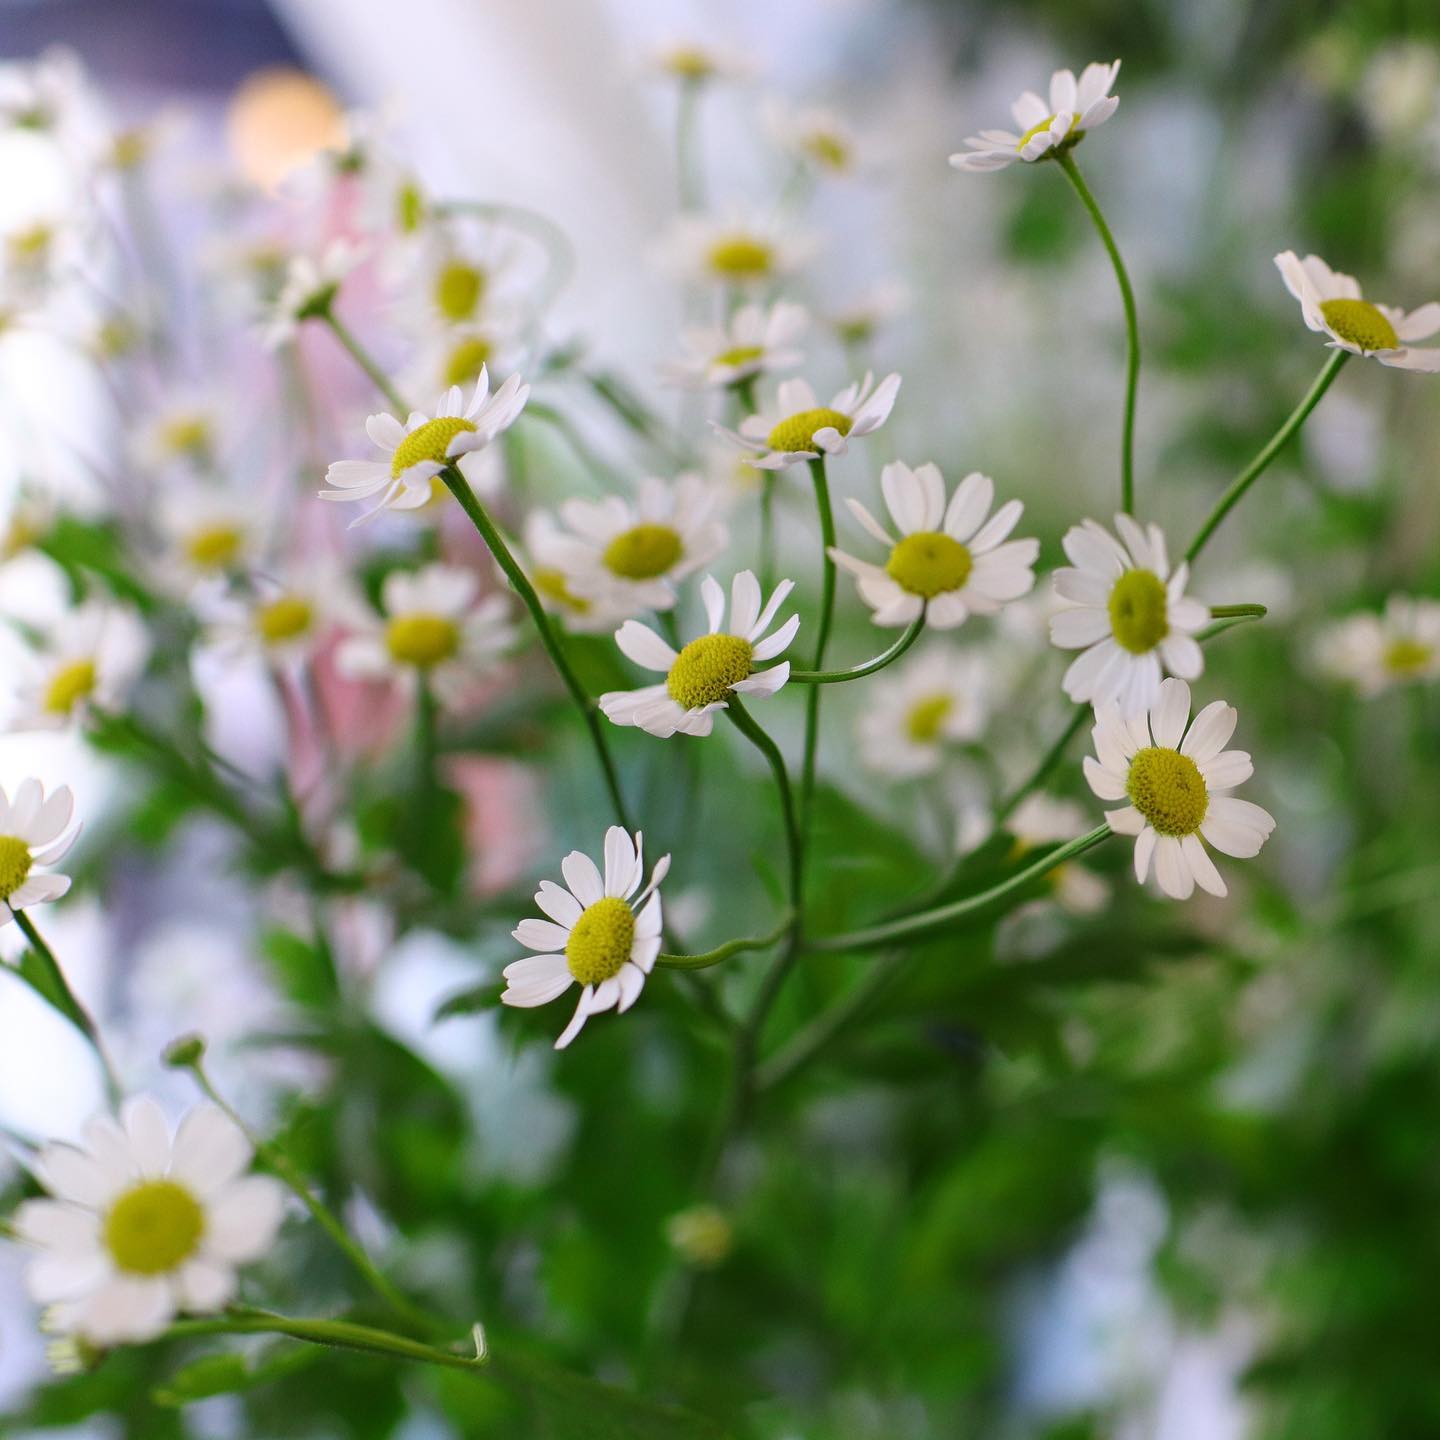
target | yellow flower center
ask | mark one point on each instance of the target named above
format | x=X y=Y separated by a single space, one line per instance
x=458 y=290
x=928 y=563
x=926 y=717
x=600 y=940
x=129 y=149
x=797 y=431
x=462 y=364
x=643 y=552
x=409 y=208
x=421 y=640
x=1166 y=787
x=29 y=246
x=689 y=63
x=68 y=686
x=429 y=442
x=1070 y=135
x=154 y=1228
x=742 y=257
x=14 y=864
x=186 y=435
x=115 y=337
x=1138 y=618
x=1407 y=656
x=827 y=149
x=214 y=547
x=283 y=619
x=1359 y=322
x=553 y=585
x=740 y=355
x=707 y=669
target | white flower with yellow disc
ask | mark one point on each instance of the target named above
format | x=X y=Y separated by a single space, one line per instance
x=551 y=551
x=801 y=428
x=814 y=136
x=89 y=660
x=283 y=618
x=1176 y=782
x=754 y=341
x=926 y=707
x=601 y=935
x=33 y=831
x=696 y=63
x=188 y=429
x=1041 y=819
x=309 y=289
x=1374 y=652
x=739 y=250
x=702 y=677
x=211 y=534
x=949 y=561
x=144 y=1224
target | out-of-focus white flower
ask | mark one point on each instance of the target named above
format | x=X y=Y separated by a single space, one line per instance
x=310 y=287
x=455 y=355
x=189 y=428
x=283 y=619
x=88 y=661
x=1047 y=128
x=803 y=429
x=702 y=1236
x=551 y=551
x=41 y=250
x=1041 y=819
x=45 y=94
x=1400 y=88
x=735 y=250
x=32 y=512
x=33 y=831
x=694 y=63
x=210 y=533
x=857 y=321
x=754 y=341
x=1374 y=652
x=922 y=710
x=815 y=136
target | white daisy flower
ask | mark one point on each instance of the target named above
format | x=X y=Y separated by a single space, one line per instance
x=32 y=513
x=455 y=355
x=33 y=831
x=44 y=94
x=210 y=534
x=1041 y=819
x=1331 y=303
x=41 y=250
x=551 y=551
x=694 y=63
x=144 y=1225
x=422 y=447
x=1177 y=783
x=803 y=429
x=432 y=628
x=926 y=707
x=754 y=341
x=187 y=429
x=1046 y=128
x=310 y=286
x=88 y=661
x=1127 y=612
x=700 y=679
x=1374 y=652
x=815 y=136
x=737 y=250
x=636 y=551
x=448 y=273
x=601 y=935
x=950 y=561
x=283 y=620
x=857 y=321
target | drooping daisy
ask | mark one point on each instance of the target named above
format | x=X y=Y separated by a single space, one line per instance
x=700 y=679
x=735 y=250
x=950 y=561
x=637 y=551
x=803 y=429
x=1041 y=819
x=1176 y=782
x=423 y=446
x=754 y=341
x=88 y=661
x=1046 y=128
x=33 y=831
x=1331 y=303
x=144 y=1225
x=935 y=702
x=1374 y=652
x=551 y=551
x=432 y=629
x=601 y=935
x=1128 y=612
x=310 y=287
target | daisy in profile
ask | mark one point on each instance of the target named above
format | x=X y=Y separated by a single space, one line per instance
x=551 y=551
x=141 y=1225
x=1176 y=783
x=737 y=250
x=1047 y=127
x=424 y=445
x=1331 y=305
x=1374 y=652
x=754 y=341
x=949 y=561
x=698 y=64
x=1129 y=614
x=635 y=552
x=310 y=286
x=433 y=630
x=701 y=678
x=816 y=137
x=1041 y=819
x=33 y=831
x=935 y=702
x=803 y=429
x=601 y=935
x=89 y=661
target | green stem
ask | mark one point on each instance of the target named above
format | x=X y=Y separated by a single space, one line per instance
x=1257 y=467
x=687 y=170
x=822 y=639
x=361 y=356
x=1132 y=331
x=458 y=486
x=741 y=718
x=731 y=947
x=917 y=927
x=858 y=672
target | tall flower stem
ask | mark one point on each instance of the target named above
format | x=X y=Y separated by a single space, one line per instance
x=459 y=487
x=1276 y=443
x=744 y=722
x=687 y=135
x=822 y=638
x=1132 y=330
x=362 y=357
x=869 y=667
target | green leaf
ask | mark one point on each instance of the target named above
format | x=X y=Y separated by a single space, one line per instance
x=230 y=1372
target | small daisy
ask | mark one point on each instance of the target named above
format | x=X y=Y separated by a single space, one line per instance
x=635 y=552
x=1041 y=819
x=754 y=341
x=1177 y=789
x=736 y=250
x=803 y=429
x=1374 y=652
x=700 y=679
x=45 y=94
x=1331 y=303
x=432 y=629
x=309 y=288
x=283 y=620
x=697 y=64
x=1074 y=108
x=89 y=661
x=814 y=136
x=448 y=274
x=455 y=355
x=949 y=561
x=601 y=935
x=32 y=513
x=186 y=430
x=423 y=446
x=859 y=320
x=143 y=1225
x=550 y=551
x=1127 y=612
x=934 y=702
x=210 y=532
x=33 y=831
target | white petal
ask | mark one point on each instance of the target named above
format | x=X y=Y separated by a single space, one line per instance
x=1207 y=877
x=1227 y=770
x=1144 y=850
x=558 y=903
x=1126 y=821
x=242 y=1219
x=641 y=644
x=1171 y=869
x=1210 y=731
x=583 y=877
x=210 y=1150
x=1236 y=827
x=713 y=598
x=1167 y=720
x=541 y=935
x=203 y=1287
x=744 y=602
x=969 y=506
x=623 y=866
